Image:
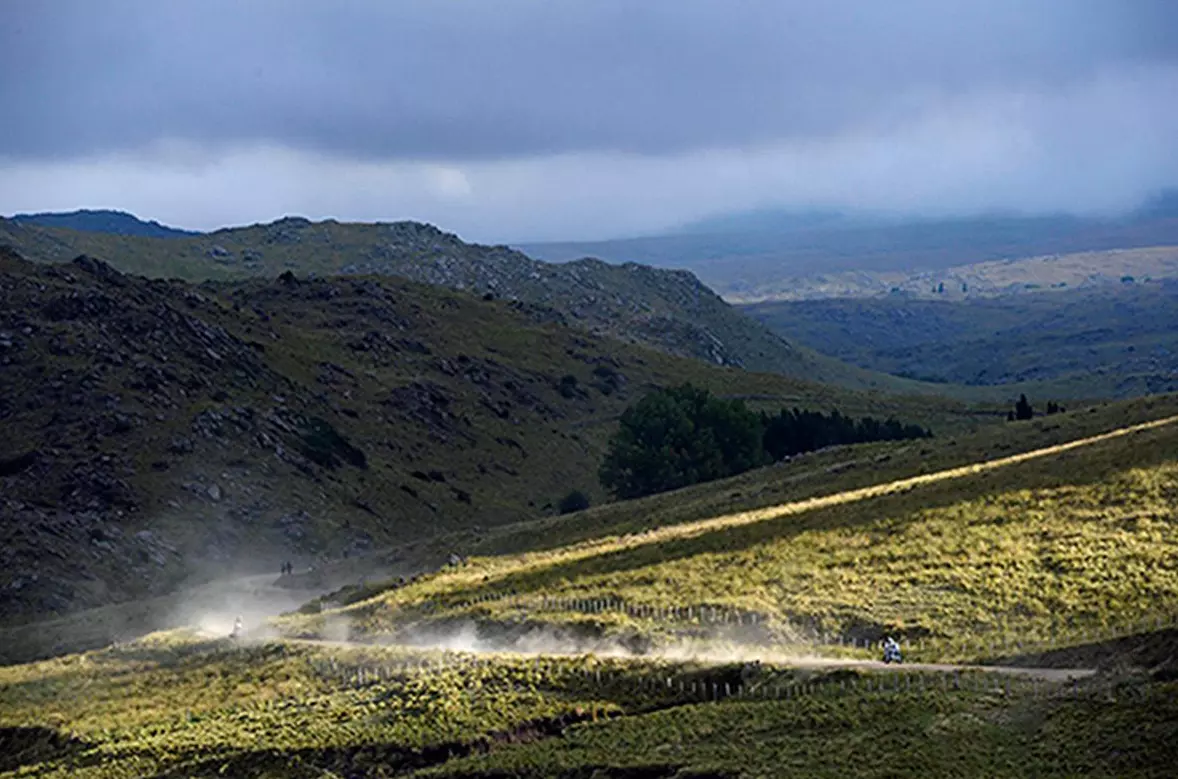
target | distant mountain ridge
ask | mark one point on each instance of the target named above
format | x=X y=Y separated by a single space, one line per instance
x=754 y=256
x=103 y=221
x=1162 y=204
x=670 y=310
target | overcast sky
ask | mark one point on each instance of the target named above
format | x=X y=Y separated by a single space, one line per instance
x=513 y=120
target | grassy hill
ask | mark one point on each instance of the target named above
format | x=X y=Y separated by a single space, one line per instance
x=1059 y=548
x=912 y=538
x=1110 y=342
x=665 y=309
x=156 y=430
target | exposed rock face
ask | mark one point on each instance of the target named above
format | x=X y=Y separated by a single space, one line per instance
x=54 y=560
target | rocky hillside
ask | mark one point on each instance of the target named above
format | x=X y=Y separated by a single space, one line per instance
x=667 y=309
x=155 y=430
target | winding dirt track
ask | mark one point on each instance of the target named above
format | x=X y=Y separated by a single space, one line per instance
x=690 y=529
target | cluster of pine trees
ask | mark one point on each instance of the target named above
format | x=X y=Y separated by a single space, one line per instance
x=684 y=435
x=794 y=432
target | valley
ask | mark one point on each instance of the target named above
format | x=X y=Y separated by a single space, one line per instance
x=589 y=390
x=1114 y=340
x=159 y=430
x=411 y=444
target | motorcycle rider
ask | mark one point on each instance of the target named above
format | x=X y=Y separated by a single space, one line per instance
x=891 y=650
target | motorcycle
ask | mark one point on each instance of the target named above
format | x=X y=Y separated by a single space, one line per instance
x=891 y=653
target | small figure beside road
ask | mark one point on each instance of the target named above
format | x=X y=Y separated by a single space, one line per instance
x=891 y=651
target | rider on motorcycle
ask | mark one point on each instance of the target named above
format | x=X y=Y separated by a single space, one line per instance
x=891 y=649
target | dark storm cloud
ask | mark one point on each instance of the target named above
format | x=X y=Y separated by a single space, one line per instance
x=486 y=79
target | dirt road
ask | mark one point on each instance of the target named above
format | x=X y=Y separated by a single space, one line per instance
x=751 y=654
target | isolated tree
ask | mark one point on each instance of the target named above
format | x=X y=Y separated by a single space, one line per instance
x=1022 y=409
x=675 y=437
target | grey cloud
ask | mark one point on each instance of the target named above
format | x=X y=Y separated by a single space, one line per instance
x=492 y=79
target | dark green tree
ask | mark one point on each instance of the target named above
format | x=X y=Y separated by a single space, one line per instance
x=1022 y=409
x=794 y=432
x=680 y=436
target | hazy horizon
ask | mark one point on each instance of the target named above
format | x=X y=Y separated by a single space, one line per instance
x=850 y=215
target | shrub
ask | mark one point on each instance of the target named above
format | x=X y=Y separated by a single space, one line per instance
x=574 y=501
x=568 y=386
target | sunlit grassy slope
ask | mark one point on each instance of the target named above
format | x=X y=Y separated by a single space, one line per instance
x=1059 y=542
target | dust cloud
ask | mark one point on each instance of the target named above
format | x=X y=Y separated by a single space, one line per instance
x=714 y=647
x=213 y=608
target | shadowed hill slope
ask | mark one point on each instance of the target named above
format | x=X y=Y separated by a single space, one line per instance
x=154 y=429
